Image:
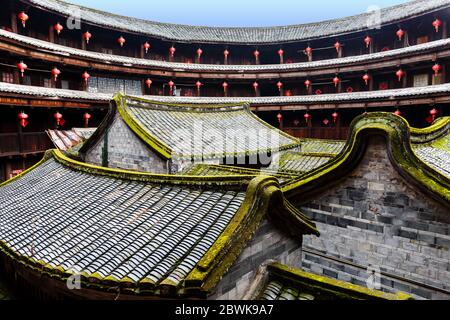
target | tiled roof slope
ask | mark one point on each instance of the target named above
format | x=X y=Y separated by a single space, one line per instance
x=426 y=91
x=279 y=282
x=201 y=34
x=65 y=51
x=67 y=139
x=201 y=131
x=150 y=235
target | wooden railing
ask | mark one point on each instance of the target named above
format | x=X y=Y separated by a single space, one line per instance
x=333 y=133
x=30 y=142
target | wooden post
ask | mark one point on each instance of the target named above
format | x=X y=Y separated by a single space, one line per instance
x=444 y=30
x=83 y=42
x=51 y=34
x=14 y=22
x=405 y=80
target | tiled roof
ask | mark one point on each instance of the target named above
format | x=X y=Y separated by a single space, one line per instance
x=65 y=51
x=299 y=163
x=119 y=228
x=309 y=99
x=275 y=281
x=201 y=34
x=203 y=131
x=66 y=139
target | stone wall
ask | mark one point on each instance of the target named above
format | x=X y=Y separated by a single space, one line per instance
x=268 y=243
x=126 y=151
x=375 y=217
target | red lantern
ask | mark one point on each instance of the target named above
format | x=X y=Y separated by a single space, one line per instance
x=23 y=119
x=199 y=53
x=146 y=47
x=198 y=84
x=338 y=46
x=56 y=72
x=171 y=85
x=22 y=67
x=326 y=121
x=279 y=85
x=58 y=28
x=307 y=116
x=281 y=54
x=87 y=36
x=149 y=83
x=172 y=51
x=434 y=113
x=437 y=68
x=400 y=33
x=437 y=24
x=368 y=41
x=279 y=117
x=86 y=118
x=23 y=17
x=336 y=81
x=225 y=86
x=366 y=79
x=86 y=77
x=318 y=91
x=58 y=117
x=256 y=53
x=400 y=74
x=226 y=53
x=335 y=116
x=308 y=84
x=309 y=51
x=255 y=85
x=349 y=89
x=121 y=41
x=397 y=113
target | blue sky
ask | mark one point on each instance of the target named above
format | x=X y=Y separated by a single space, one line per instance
x=236 y=12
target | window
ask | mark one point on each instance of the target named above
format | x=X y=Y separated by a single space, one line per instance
x=7 y=77
x=420 y=80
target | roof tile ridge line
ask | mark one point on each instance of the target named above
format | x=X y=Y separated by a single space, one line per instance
x=300 y=276
x=261 y=192
x=212 y=67
x=238 y=105
x=230 y=168
x=439 y=128
x=403 y=158
x=188 y=180
x=153 y=142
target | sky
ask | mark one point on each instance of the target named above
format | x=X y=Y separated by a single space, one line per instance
x=238 y=13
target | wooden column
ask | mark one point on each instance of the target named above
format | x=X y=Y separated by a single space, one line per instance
x=83 y=42
x=444 y=30
x=51 y=34
x=14 y=22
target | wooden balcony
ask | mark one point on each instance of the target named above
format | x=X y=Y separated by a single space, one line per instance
x=12 y=144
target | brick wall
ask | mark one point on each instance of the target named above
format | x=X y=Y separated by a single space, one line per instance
x=126 y=151
x=374 y=217
x=268 y=243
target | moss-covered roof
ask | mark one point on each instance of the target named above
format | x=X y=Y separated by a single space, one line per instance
x=280 y=282
x=147 y=234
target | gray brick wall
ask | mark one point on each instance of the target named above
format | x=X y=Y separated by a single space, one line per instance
x=268 y=243
x=374 y=217
x=126 y=151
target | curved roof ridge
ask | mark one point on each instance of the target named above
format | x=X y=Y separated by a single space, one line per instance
x=243 y=35
x=397 y=130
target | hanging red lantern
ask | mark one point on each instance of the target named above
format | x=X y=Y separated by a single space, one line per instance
x=58 y=28
x=437 y=24
x=55 y=72
x=58 y=117
x=400 y=74
x=172 y=51
x=368 y=41
x=309 y=51
x=171 y=85
x=256 y=85
x=256 y=53
x=86 y=77
x=23 y=17
x=434 y=112
x=87 y=36
x=279 y=117
x=336 y=81
x=308 y=83
x=146 y=47
x=281 y=54
x=149 y=83
x=307 y=116
x=198 y=84
x=199 y=53
x=397 y=113
x=121 y=41
x=349 y=89
x=23 y=119
x=326 y=121
x=225 y=86
x=86 y=118
x=226 y=53
x=279 y=85
x=318 y=91
x=22 y=67
x=335 y=116
x=366 y=78
x=400 y=34
x=338 y=46
x=437 y=68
